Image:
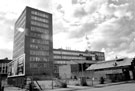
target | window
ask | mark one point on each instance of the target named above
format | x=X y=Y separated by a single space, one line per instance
x=37 y=35
x=40 y=65
x=40 y=47
x=45 y=59
x=33 y=65
x=61 y=62
x=39 y=24
x=39 y=53
x=41 y=30
x=45 y=65
x=37 y=59
x=39 y=19
x=39 y=41
x=39 y=14
x=57 y=57
x=65 y=52
x=57 y=52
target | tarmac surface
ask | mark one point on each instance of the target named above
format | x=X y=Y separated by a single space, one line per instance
x=119 y=86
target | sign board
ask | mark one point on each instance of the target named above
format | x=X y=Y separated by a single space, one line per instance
x=17 y=66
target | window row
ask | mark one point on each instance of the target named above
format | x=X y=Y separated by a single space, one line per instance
x=19 y=30
x=39 y=41
x=20 y=42
x=39 y=19
x=99 y=54
x=39 y=14
x=71 y=53
x=39 y=47
x=3 y=70
x=66 y=53
x=19 y=38
x=3 y=64
x=100 y=58
x=37 y=35
x=41 y=30
x=62 y=62
x=39 y=65
x=37 y=59
x=22 y=18
x=20 y=23
x=39 y=24
x=67 y=57
x=39 y=53
x=18 y=51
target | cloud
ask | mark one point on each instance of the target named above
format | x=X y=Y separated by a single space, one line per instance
x=6 y=47
x=6 y=40
x=78 y=10
x=5 y=53
x=45 y=5
x=109 y=24
x=9 y=12
x=92 y=5
x=81 y=30
x=74 y=1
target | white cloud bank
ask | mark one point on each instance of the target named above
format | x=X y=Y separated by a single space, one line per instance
x=109 y=24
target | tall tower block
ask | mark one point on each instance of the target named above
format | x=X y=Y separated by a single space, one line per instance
x=33 y=46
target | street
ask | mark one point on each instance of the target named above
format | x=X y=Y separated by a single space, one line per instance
x=120 y=87
x=117 y=87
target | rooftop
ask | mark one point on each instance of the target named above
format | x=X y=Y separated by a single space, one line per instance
x=5 y=60
x=111 y=64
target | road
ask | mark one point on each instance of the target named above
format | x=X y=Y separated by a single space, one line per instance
x=120 y=87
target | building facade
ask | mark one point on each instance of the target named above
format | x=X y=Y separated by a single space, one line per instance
x=32 y=51
x=79 y=60
x=4 y=67
x=114 y=70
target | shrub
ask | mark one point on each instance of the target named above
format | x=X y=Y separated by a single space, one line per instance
x=64 y=85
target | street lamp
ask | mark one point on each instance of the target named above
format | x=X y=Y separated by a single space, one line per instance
x=52 y=73
x=81 y=55
x=83 y=82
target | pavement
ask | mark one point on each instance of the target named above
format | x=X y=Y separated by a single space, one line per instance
x=71 y=87
x=74 y=88
x=11 y=88
x=115 y=83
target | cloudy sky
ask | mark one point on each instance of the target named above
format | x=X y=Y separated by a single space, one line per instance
x=97 y=25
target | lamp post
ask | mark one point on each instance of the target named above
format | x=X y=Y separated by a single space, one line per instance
x=81 y=55
x=82 y=69
x=93 y=77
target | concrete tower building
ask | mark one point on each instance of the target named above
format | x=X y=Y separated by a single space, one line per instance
x=33 y=46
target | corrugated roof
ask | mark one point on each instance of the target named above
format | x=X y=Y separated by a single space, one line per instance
x=111 y=64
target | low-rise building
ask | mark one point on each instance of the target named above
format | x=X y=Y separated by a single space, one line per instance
x=114 y=70
x=4 y=67
x=78 y=60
